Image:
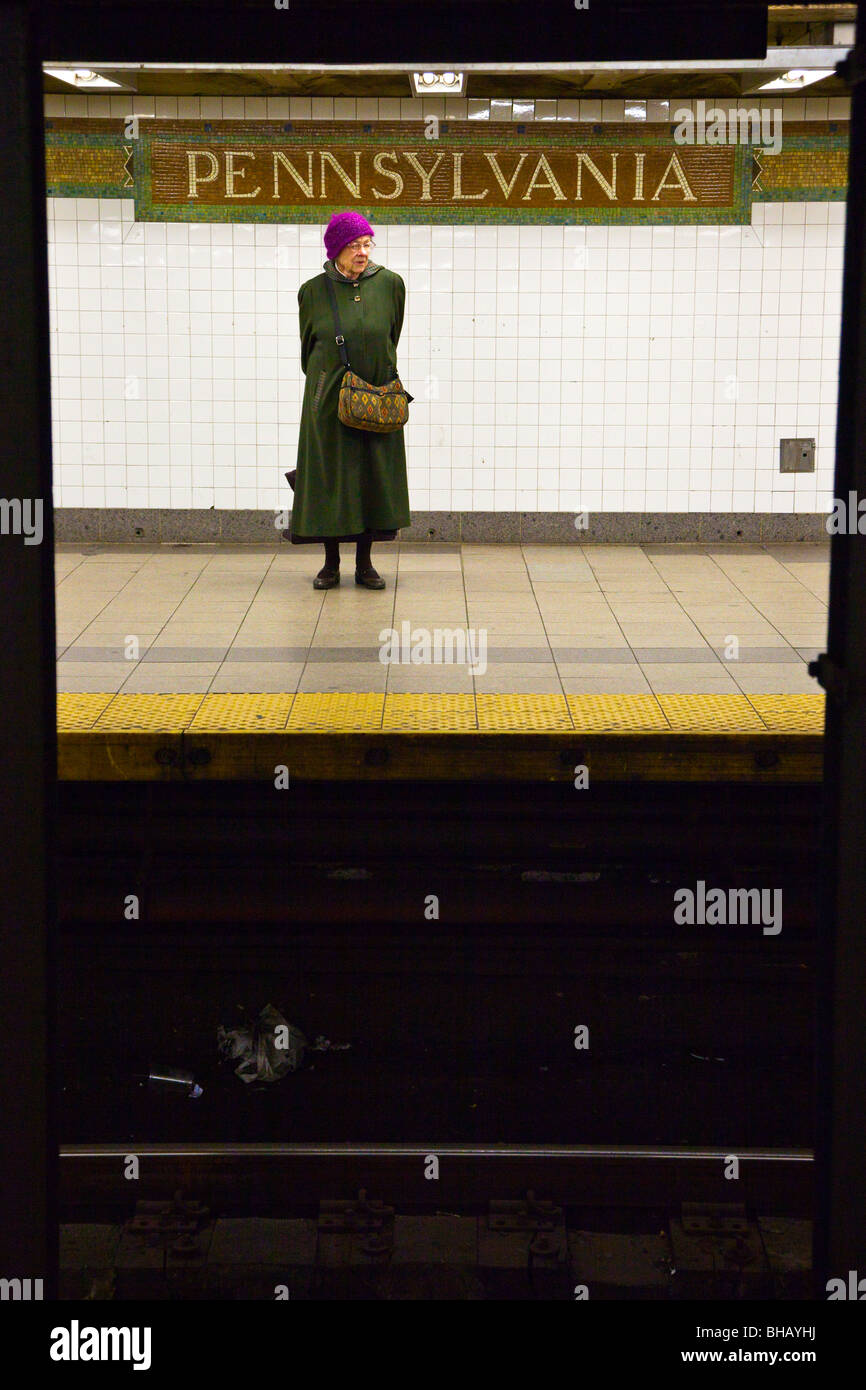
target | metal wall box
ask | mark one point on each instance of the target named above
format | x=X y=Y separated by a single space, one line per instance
x=796 y=456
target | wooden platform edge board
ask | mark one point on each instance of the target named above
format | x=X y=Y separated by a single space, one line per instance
x=550 y=756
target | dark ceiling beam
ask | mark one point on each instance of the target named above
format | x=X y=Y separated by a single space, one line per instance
x=450 y=31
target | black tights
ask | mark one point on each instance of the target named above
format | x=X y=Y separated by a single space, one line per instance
x=362 y=553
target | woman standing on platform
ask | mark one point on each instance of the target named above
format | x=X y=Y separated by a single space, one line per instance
x=350 y=484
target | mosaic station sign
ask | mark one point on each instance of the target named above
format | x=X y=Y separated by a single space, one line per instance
x=414 y=177
x=458 y=171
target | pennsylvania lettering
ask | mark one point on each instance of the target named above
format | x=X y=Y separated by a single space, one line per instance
x=412 y=173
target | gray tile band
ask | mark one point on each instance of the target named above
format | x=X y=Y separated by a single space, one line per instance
x=210 y=526
x=269 y=655
x=685 y=655
x=610 y=656
x=512 y=656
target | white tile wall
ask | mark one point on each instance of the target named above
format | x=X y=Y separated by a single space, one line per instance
x=554 y=368
x=613 y=368
x=415 y=108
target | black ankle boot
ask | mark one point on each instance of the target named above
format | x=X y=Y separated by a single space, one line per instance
x=328 y=577
x=368 y=578
x=365 y=574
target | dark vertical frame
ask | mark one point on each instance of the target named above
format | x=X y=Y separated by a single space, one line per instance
x=28 y=1216
x=840 y=1238
x=28 y=1231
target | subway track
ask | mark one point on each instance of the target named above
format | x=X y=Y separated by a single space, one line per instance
x=555 y=912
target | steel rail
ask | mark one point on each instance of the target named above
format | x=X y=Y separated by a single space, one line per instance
x=279 y=1179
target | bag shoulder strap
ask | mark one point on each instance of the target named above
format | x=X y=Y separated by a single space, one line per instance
x=339 y=339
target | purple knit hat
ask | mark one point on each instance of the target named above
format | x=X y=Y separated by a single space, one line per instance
x=343 y=228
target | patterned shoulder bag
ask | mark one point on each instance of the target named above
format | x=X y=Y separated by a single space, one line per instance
x=362 y=406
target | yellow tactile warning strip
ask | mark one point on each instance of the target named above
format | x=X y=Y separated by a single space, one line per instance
x=443 y=713
x=369 y=712
x=522 y=713
x=338 y=713
x=803 y=714
x=80 y=711
x=148 y=713
x=717 y=714
x=242 y=714
x=601 y=714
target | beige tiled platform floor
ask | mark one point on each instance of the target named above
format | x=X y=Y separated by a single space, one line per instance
x=558 y=619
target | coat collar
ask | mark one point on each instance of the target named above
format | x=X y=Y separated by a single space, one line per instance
x=370 y=269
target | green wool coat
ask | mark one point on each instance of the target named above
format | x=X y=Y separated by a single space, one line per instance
x=349 y=482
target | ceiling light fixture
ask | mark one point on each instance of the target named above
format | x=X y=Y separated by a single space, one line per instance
x=796 y=78
x=438 y=83
x=81 y=77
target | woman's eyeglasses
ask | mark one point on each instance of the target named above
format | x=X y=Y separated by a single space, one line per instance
x=366 y=245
